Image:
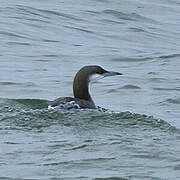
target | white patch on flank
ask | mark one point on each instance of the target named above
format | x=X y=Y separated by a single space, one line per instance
x=66 y=105
x=74 y=104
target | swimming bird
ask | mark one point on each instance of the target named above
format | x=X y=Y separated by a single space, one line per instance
x=82 y=99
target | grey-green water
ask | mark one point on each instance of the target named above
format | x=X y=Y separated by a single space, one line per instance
x=44 y=43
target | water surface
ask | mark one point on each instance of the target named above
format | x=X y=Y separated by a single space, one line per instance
x=44 y=43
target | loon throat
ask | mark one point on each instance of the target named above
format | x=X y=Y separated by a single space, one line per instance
x=82 y=98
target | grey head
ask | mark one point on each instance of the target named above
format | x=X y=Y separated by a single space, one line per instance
x=82 y=79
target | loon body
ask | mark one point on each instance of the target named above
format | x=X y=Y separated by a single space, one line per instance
x=82 y=98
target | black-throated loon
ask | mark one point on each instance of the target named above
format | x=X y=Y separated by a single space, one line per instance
x=82 y=98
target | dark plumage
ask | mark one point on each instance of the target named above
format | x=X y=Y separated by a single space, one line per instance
x=82 y=98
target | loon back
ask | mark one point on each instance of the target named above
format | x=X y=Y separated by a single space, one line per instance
x=71 y=103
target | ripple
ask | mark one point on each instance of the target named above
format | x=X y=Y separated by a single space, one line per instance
x=132 y=59
x=130 y=86
x=137 y=30
x=78 y=147
x=20 y=43
x=157 y=80
x=26 y=10
x=8 y=83
x=169 y=56
x=110 y=21
x=142 y=58
x=153 y=73
x=68 y=16
x=167 y=89
x=119 y=15
x=111 y=178
x=80 y=29
x=177 y=167
x=173 y=101
x=128 y=16
x=10 y=34
x=80 y=161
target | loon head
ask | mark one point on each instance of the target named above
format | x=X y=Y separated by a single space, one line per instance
x=82 y=79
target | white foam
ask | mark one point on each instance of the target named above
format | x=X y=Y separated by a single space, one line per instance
x=51 y=107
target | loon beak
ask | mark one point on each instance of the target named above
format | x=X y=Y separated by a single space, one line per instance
x=111 y=73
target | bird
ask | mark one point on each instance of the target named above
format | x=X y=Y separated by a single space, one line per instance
x=82 y=98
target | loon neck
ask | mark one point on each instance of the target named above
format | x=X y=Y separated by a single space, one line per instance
x=81 y=88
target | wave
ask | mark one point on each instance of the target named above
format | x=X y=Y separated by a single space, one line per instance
x=44 y=13
x=149 y=57
x=173 y=101
x=111 y=178
x=128 y=16
x=33 y=113
x=130 y=86
x=165 y=89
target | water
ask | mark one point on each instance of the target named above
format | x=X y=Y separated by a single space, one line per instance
x=44 y=43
